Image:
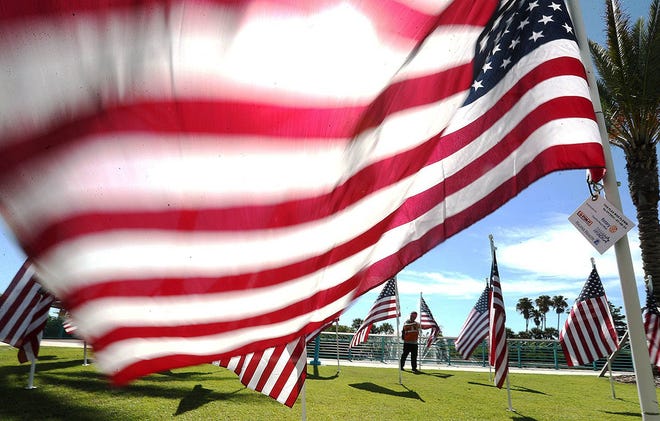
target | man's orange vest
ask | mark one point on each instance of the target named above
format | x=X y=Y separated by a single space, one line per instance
x=410 y=331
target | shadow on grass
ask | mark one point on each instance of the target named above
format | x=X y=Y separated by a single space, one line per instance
x=52 y=385
x=520 y=417
x=200 y=396
x=438 y=375
x=316 y=376
x=371 y=387
x=515 y=388
x=625 y=414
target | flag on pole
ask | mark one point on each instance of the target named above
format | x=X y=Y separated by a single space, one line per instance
x=589 y=332
x=173 y=166
x=278 y=372
x=427 y=321
x=69 y=326
x=499 y=348
x=23 y=313
x=475 y=328
x=385 y=307
x=651 y=318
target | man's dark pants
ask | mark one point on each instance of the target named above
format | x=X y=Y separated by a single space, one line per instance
x=412 y=350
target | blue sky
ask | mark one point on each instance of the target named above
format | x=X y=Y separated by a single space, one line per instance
x=539 y=252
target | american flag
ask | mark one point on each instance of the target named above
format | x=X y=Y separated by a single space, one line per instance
x=589 y=332
x=427 y=321
x=174 y=166
x=23 y=313
x=69 y=325
x=475 y=328
x=385 y=307
x=278 y=372
x=651 y=317
x=498 y=356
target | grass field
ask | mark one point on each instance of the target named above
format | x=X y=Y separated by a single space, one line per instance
x=68 y=390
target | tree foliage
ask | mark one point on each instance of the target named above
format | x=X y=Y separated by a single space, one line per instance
x=629 y=88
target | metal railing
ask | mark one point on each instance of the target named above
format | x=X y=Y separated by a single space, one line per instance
x=523 y=353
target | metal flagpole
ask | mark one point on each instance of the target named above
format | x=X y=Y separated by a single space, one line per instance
x=30 y=384
x=303 y=402
x=642 y=364
x=337 y=338
x=85 y=353
x=419 y=336
x=508 y=393
x=396 y=290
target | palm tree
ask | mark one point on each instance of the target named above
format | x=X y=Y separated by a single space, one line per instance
x=525 y=307
x=537 y=316
x=543 y=305
x=629 y=87
x=559 y=304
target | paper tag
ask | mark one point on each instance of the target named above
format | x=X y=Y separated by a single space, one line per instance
x=600 y=223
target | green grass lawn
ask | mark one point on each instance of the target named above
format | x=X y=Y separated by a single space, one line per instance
x=68 y=390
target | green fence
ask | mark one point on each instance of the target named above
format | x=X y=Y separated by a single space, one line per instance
x=523 y=353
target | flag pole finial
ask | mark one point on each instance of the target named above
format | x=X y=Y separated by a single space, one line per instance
x=593 y=263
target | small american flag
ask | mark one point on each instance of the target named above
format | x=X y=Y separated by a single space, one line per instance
x=69 y=325
x=385 y=307
x=589 y=332
x=499 y=348
x=278 y=372
x=651 y=317
x=427 y=321
x=475 y=328
x=23 y=313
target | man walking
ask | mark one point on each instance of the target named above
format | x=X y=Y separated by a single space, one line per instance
x=410 y=336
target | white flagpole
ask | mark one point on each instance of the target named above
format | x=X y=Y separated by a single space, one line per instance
x=303 y=402
x=337 y=338
x=30 y=384
x=508 y=393
x=398 y=356
x=85 y=353
x=642 y=364
x=419 y=337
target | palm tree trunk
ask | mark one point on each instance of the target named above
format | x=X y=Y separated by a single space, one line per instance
x=642 y=167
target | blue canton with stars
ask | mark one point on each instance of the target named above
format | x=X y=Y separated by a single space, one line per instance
x=593 y=288
x=516 y=29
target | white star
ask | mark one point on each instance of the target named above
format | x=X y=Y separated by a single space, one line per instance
x=496 y=48
x=536 y=35
x=545 y=19
x=555 y=6
x=505 y=63
x=523 y=23
x=477 y=84
x=568 y=28
x=486 y=67
x=514 y=43
x=532 y=6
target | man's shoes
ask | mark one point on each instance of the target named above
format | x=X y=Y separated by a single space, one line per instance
x=416 y=371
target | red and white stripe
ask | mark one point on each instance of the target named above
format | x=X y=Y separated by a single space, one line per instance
x=23 y=313
x=203 y=180
x=385 y=307
x=278 y=372
x=589 y=332
x=475 y=328
x=499 y=349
